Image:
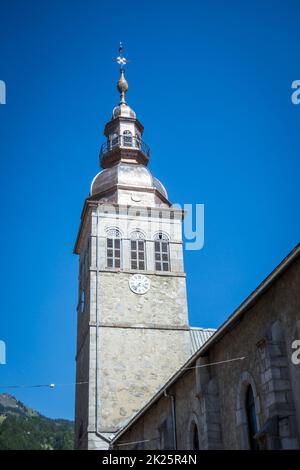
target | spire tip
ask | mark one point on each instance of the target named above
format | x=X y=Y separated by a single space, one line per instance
x=122 y=84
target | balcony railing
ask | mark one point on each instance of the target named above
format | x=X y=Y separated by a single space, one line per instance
x=126 y=142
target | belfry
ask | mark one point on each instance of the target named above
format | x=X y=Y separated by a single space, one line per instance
x=133 y=330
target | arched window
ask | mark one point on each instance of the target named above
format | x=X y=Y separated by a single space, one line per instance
x=127 y=139
x=251 y=418
x=161 y=252
x=138 y=139
x=137 y=251
x=248 y=412
x=193 y=441
x=195 y=437
x=113 y=248
x=113 y=140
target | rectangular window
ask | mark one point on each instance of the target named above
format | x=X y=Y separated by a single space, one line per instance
x=113 y=252
x=138 y=254
x=162 y=257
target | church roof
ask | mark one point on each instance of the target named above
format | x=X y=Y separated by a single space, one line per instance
x=199 y=336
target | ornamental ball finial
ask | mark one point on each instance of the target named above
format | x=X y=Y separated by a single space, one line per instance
x=122 y=86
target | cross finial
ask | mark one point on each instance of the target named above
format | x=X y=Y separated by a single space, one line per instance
x=121 y=60
x=122 y=83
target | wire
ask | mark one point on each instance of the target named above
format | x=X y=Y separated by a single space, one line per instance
x=185 y=368
x=43 y=385
x=217 y=363
x=53 y=385
x=135 y=442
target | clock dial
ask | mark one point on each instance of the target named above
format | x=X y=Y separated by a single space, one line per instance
x=139 y=284
x=135 y=198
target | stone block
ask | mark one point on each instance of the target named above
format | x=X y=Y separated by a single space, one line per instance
x=289 y=443
x=274 y=350
x=240 y=417
x=275 y=397
x=272 y=373
x=278 y=361
x=280 y=385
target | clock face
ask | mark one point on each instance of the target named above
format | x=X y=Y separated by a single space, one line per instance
x=139 y=284
x=135 y=198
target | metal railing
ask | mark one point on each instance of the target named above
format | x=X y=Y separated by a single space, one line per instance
x=124 y=141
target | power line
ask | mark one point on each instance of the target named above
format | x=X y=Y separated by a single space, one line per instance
x=53 y=385
x=216 y=363
x=136 y=442
x=184 y=368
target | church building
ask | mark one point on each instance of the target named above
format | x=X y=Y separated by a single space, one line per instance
x=144 y=378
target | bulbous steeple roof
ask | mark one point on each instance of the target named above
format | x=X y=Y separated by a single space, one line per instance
x=124 y=158
x=123 y=110
x=129 y=176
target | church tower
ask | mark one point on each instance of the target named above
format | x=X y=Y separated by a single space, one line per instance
x=133 y=331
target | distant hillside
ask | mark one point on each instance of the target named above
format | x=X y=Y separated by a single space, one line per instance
x=22 y=428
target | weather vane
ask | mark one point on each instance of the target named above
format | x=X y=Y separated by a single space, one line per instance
x=122 y=84
x=121 y=60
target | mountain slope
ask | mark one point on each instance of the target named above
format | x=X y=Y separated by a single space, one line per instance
x=23 y=428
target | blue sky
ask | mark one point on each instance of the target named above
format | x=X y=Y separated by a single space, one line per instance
x=211 y=82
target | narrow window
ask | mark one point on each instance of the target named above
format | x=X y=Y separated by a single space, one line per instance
x=82 y=301
x=161 y=253
x=137 y=251
x=127 y=139
x=251 y=418
x=195 y=437
x=113 y=249
x=114 y=140
x=138 y=140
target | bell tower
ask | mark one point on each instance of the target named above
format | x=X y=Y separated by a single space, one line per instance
x=133 y=331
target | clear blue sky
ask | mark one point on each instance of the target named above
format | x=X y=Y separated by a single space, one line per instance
x=211 y=82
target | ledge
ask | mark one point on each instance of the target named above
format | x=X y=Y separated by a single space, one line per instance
x=142 y=326
x=135 y=271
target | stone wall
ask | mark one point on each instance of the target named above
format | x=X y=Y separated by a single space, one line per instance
x=128 y=345
x=136 y=362
x=213 y=397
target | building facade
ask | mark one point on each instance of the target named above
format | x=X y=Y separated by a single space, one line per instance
x=133 y=330
x=241 y=389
